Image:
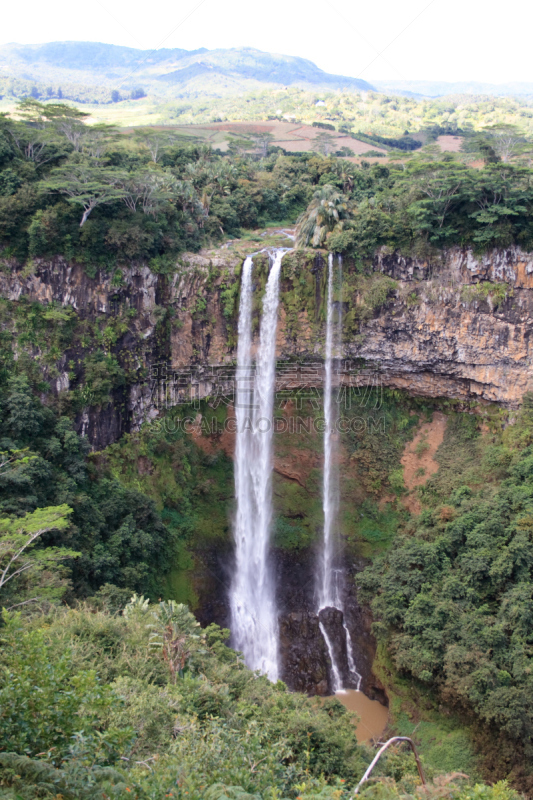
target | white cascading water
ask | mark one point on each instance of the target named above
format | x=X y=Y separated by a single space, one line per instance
x=252 y=594
x=326 y=598
x=336 y=680
x=329 y=595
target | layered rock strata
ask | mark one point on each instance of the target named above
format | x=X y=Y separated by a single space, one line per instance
x=458 y=326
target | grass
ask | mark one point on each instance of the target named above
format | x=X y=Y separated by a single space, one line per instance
x=445 y=742
x=179 y=581
x=370 y=529
x=495 y=293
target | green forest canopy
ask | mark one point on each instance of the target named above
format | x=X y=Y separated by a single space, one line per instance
x=104 y=198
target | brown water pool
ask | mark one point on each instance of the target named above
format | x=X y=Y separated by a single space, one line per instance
x=372 y=715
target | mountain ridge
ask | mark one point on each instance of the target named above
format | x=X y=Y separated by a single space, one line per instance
x=166 y=71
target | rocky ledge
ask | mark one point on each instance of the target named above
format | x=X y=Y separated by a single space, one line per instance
x=457 y=326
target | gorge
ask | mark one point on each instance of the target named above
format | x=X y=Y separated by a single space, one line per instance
x=424 y=347
x=266 y=439
x=426 y=335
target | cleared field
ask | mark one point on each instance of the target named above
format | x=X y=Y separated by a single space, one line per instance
x=291 y=136
x=450 y=144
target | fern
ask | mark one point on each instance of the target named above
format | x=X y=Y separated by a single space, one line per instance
x=72 y=782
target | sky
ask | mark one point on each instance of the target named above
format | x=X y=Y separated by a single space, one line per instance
x=450 y=40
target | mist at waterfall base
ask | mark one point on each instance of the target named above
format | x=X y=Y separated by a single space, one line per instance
x=254 y=622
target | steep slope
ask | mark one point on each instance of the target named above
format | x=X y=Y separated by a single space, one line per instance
x=431 y=329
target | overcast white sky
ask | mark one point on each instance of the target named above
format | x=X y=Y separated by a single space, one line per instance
x=450 y=40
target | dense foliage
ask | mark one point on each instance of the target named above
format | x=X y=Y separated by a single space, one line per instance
x=104 y=198
x=174 y=702
x=453 y=598
x=90 y=193
x=421 y=205
x=145 y=705
x=116 y=532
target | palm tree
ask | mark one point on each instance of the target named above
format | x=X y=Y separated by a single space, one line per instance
x=325 y=212
x=345 y=170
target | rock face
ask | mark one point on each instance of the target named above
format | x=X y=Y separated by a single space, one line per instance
x=458 y=326
x=304 y=660
x=450 y=339
x=304 y=655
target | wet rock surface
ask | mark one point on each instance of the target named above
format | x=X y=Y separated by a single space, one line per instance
x=332 y=620
x=304 y=656
x=304 y=660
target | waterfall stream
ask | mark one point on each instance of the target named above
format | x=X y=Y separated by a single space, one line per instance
x=254 y=621
x=328 y=590
x=252 y=594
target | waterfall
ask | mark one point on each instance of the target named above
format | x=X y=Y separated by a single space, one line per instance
x=336 y=680
x=351 y=660
x=329 y=593
x=252 y=595
x=329 y=495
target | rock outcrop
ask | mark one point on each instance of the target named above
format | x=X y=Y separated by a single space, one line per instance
x=457 y=326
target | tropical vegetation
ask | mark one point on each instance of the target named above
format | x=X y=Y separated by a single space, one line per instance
x=108 y=687
x=89 y=193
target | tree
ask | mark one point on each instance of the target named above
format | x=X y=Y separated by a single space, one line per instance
x=506 y=140
x=324 y=143
x=66 y=120
x=173 y=633
x=19 y=555
x=262 y=141
x=70 y=122
x=10 y=457
x=345 y=171
x=439 y=183
x=325 y=212
x=149 y=189
x=36 y=136
x=154 y=141
x=238 y=145
x=34 y=139
x=96 y=140
x=87 y=186
x=209 y=180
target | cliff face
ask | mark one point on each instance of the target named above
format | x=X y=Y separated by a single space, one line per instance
x=457 y=327
x=452 y=338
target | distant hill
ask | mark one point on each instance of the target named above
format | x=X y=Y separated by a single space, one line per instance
x=445 y=88
x=73 y=67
